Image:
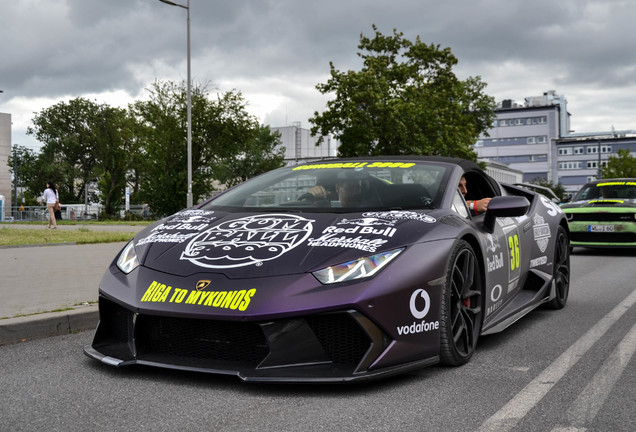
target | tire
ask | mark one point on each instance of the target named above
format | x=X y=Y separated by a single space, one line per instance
x=561 y=272
x=462 y=307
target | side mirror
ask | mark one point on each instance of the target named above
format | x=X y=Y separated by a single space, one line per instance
x=504 y=206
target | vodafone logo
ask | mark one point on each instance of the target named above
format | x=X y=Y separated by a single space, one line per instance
x=417 y=310
x=420 y=305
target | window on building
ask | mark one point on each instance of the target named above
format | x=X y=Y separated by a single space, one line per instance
x=578 y=150
x=592 y=164
x=606 y=149
x=530 y=140
x=592 y=149
x=479 y=143
x=569 y=165
x=565 y=151
x=502 y=123
x=541 y=139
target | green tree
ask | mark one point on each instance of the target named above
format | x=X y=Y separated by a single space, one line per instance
x=84 y=141
x=113 y=131
x=557 y=188
x=67 y=155
x=241 y=147
x=228 y=144
x=405 y=100
x=256 y=155
x=30 y=174
x=620 y=166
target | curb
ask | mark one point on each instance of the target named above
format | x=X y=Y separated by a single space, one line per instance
x=21 y=329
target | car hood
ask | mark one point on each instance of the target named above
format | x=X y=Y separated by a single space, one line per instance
x=252 y=245
x=601 y=202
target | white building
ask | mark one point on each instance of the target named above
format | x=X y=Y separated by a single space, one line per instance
x=535 y=138
x=300 y=146
x=523 y=135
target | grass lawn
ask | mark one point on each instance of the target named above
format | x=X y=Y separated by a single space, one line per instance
x=11 y=236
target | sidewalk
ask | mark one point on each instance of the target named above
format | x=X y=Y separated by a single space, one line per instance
x=52 y=289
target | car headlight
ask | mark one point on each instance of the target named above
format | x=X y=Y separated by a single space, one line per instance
x=127 y=260
x=356 y=269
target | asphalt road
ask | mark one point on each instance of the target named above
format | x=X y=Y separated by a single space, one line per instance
x=569 y=370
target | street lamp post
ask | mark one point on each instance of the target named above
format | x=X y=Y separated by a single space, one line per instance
x=189 y=195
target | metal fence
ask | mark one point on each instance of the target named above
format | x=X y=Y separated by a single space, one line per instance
x=41 y=214
x=73 y=212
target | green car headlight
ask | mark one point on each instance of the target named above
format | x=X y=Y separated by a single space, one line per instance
x=356 y=269
x=127 y=260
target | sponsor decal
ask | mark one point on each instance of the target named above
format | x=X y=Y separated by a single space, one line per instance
x=355 y=165
x=493 y=243
x=367 y=221
x=179 y=228
x=419 y=312
x=495 y=297
x=332 y=240
x=553 y=209
x=541 y=232
x=513 y=285
x=505 y=221
x=495 y=262
x=420 y=304
x=619 y=183
x=360 y=229
x=606 y=201
x=247 y=241
x=538 y=261
x=158 y=292
x=401 y=215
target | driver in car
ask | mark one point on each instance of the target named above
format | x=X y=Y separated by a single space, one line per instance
x=477 y=206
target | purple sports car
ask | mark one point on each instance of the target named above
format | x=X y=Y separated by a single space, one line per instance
x=338 y=270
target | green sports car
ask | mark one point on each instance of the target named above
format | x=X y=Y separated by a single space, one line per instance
x=603 y=214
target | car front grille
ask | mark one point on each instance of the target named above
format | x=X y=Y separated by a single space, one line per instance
x=223 y=345
x=602 y=217
x=603 y=237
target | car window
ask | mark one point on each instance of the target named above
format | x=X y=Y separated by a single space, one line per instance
x=342 y=185
x=459 y=205
x=607 y=190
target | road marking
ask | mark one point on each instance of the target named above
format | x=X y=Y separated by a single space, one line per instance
x=589 y=402
x=510 y=414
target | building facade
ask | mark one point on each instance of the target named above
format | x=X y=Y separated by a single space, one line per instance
x=535 y=138
x=580 y=159
x=300 y=146
x=523 y=136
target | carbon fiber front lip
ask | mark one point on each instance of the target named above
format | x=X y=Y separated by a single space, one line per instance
x=297 y=375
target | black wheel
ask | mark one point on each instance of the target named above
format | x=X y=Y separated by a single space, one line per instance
x=561 y=273
x=461 y=314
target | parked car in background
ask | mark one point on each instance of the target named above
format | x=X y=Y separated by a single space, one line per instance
x=603 y=214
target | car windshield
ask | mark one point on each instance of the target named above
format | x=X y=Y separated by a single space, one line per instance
x=341 y=186
x=607 y=190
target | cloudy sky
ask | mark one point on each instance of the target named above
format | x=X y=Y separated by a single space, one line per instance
x=276 y=51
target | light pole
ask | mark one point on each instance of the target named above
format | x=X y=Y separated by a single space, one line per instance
x=189 y=195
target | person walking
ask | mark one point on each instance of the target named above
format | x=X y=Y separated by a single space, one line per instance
x=51 y=198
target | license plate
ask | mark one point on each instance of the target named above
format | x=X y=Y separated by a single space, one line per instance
x=600 y=228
